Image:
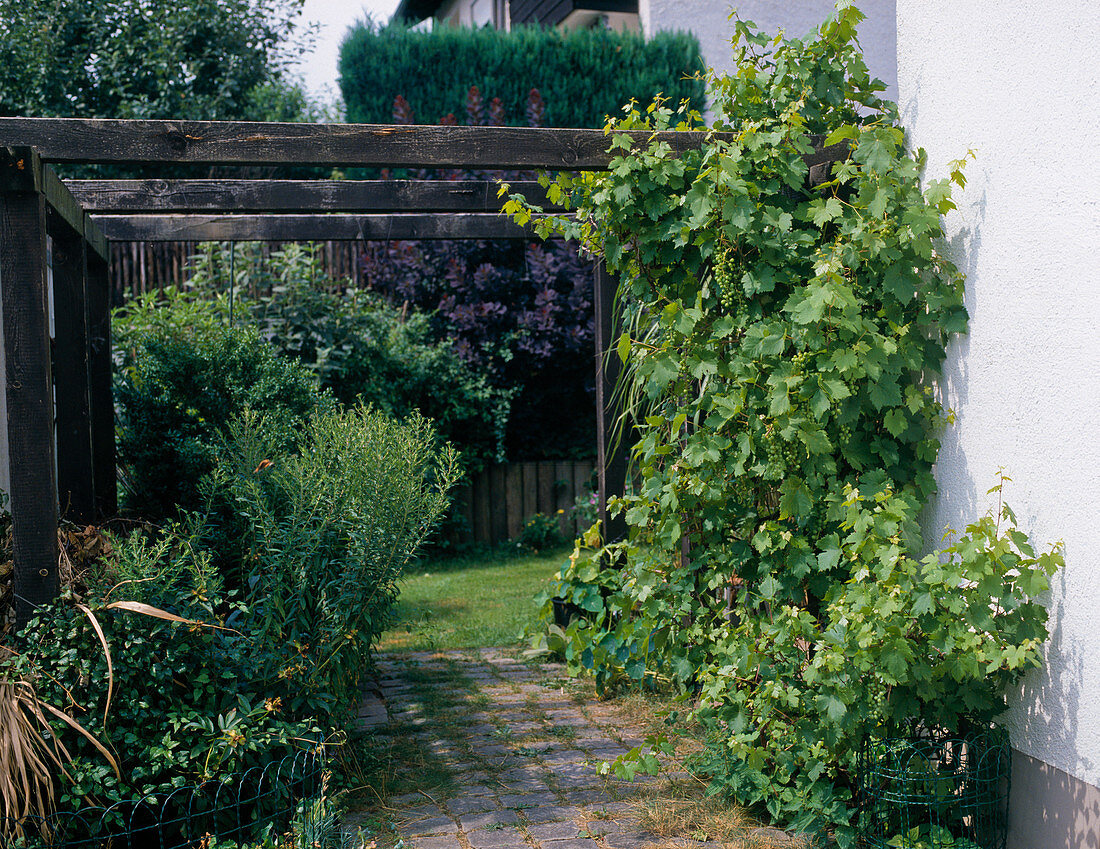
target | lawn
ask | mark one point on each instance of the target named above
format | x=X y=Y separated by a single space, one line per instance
x=485 y=599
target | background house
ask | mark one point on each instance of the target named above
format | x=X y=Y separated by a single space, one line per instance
x=708 y=20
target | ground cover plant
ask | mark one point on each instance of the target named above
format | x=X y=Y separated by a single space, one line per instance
x=778 y=343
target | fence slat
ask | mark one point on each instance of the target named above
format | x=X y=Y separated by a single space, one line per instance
x=498 y=507
x=513 y=498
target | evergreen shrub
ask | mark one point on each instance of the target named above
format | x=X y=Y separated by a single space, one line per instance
x=181 y=377
x=584 y=75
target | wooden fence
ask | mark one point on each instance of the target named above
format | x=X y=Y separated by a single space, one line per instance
x=498 y=502
x=138 y=267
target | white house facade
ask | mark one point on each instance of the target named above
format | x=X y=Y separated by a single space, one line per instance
x=1019 y=83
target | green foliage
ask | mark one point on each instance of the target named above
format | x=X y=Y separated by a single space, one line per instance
x=181 y=377
x=358 y=347
x=170 y=699
x=584 y=75
x=779 y=338
x=211 y=59
x=539 y=533
x=322 y=533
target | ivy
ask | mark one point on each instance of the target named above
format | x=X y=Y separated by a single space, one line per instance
x=779 y=344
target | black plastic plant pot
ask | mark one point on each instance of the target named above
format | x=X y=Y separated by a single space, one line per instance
x=934 y=790
x=565 y=612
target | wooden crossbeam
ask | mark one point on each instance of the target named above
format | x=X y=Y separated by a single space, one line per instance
x=319 y=196
x=308 y=228
x=90 y=140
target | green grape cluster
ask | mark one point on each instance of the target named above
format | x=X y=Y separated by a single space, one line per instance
x=800 y=360
x=782 y=456
x=814 y=525
x=730 y=292
x=878 y=695
x=844 y=434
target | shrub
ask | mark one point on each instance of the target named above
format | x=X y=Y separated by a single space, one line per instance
x=776 y=347
x=357 y=346
x=584 y=75
x=519 y=314
x=168 y=698
x=324 y=531
x=181 y=376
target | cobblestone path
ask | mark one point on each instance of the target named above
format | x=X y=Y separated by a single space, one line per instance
x=521 y=755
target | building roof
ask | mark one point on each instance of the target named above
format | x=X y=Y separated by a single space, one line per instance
x=416 y=10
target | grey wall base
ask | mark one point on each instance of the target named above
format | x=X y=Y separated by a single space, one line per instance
x=1051 y=809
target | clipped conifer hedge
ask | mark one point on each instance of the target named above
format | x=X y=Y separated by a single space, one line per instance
x=583 y=75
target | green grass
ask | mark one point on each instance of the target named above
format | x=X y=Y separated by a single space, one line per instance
x=472 y=601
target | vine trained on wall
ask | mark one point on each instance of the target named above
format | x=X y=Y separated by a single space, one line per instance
x=778 y=343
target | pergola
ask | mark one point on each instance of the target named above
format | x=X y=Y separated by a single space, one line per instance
x=57 y=338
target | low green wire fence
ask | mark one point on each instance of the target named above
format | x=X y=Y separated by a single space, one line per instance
x=229 y=811
x=932 y=790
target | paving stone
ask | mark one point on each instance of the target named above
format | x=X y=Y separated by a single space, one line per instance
x=472 y=822
x=597 y=796
x=422 y=811
x=575 y=843
x=429 y=825
x=528 y=800
x=448 y=841
x=561 y=830
x=471 y=805
x=505 y=838
x=550 y=813
x=633 y=840
x=568 y=756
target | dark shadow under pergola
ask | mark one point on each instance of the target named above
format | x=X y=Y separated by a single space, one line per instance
x=60 y=413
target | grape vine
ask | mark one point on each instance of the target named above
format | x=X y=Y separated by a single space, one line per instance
x=778 y=339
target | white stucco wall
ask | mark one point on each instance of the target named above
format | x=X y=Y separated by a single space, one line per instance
x=709 y=21
x=1020 y=84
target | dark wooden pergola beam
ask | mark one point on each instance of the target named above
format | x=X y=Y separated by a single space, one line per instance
x=239 y=196
x=135 y=142
x=23 y=171
x=308 y=228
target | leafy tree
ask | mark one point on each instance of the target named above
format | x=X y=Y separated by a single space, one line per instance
x=198 y=59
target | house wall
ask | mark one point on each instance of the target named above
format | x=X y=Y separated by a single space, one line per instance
x=709 y=20
x=472 y=13
x=1018 y=83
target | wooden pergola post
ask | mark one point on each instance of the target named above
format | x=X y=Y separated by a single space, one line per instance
x=100 y=395
x=75 y=472
x=28 y=379
x=610 y=451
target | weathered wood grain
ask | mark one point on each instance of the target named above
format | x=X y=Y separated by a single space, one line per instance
x=29 y=386
x=101 y=397
x=308 y=228
x=610 y=453
x=75 y=476
x=235 y=196
x=89 y=140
